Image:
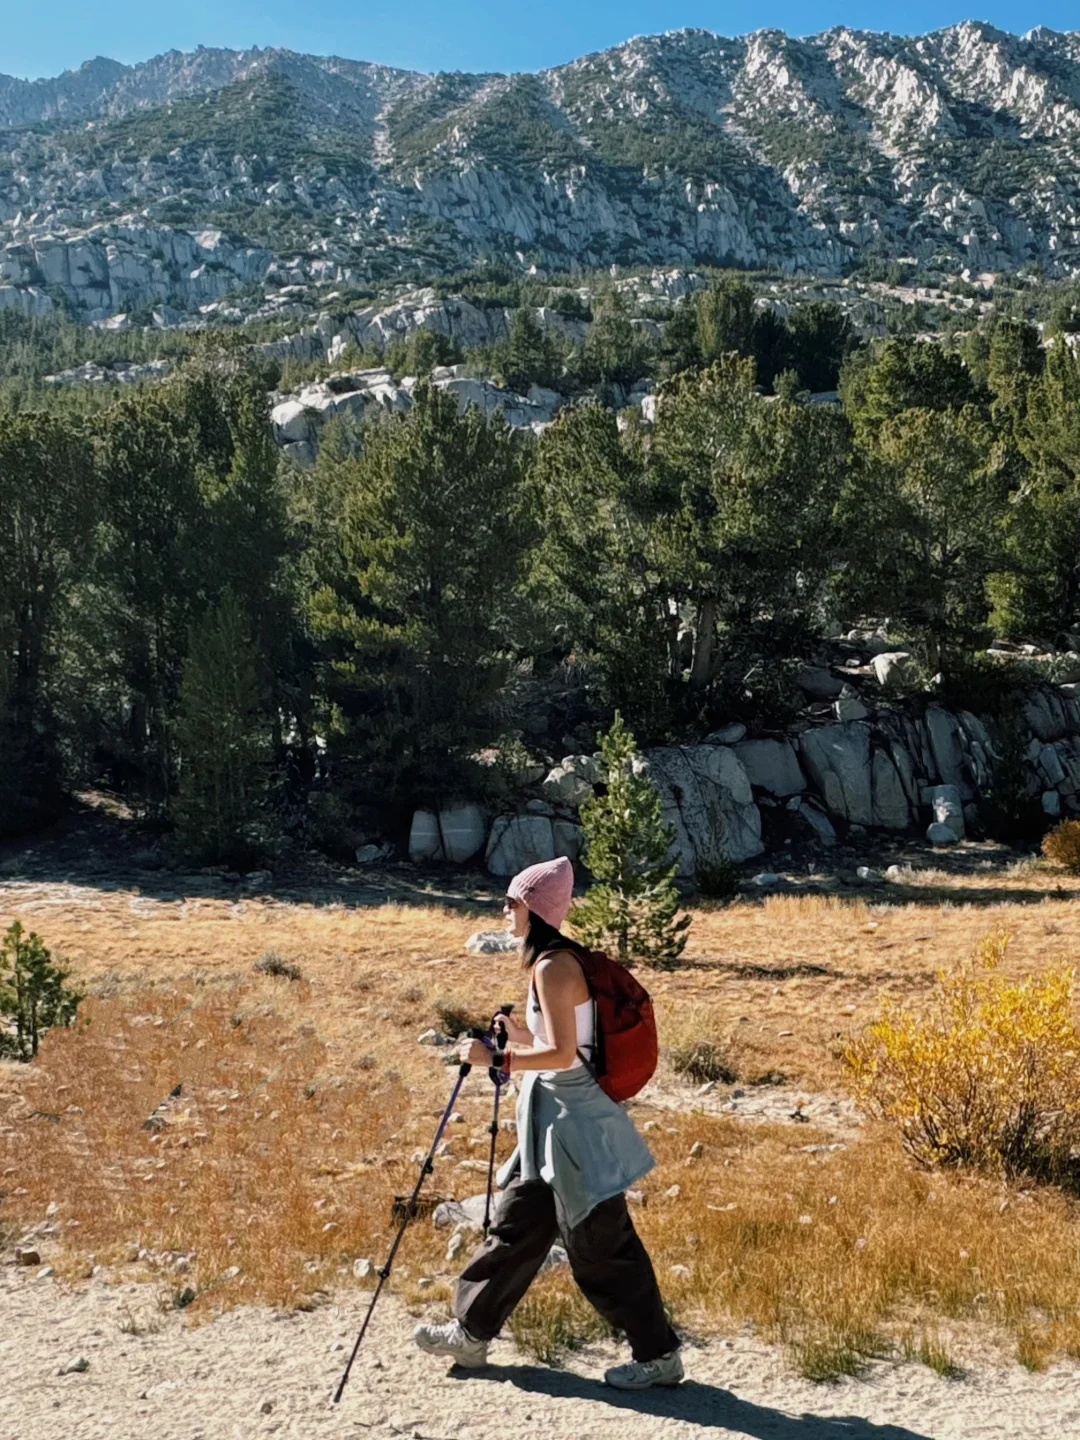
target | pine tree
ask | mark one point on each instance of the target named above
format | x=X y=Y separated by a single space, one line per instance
x=633 y=909
x=32 y=993
x=679 y=348
x=725 y=314
x=528 y=356
x=220 y=812
x=420 y=611
x=615 y=350
x=48 y=520
x=427 y=349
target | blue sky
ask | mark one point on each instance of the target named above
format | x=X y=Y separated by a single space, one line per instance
x=449 y=34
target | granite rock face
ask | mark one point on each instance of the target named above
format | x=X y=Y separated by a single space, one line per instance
x=837 y=759
x=363 y=395
x=893 y=773
x=517 y=841
x=857 y=781
x=708 y=802
x=955 y=149
x=772 y=765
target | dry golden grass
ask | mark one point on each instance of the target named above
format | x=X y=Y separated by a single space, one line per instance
x=287 y=1183
x=848 y=1249
x=269 y=1172
x=816 y=966
x=1062 y=846
x=840 y=1254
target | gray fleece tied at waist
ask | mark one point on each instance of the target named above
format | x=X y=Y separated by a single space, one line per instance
x=577 y=1139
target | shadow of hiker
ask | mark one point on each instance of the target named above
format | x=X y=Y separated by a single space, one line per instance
x=706 y=1405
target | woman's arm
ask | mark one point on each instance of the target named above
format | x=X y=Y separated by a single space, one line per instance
x=560 y=986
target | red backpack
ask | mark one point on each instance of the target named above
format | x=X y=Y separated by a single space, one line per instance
x=625 y=1049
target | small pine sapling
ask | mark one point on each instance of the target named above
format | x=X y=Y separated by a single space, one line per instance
x=633 y=909
x=32 y=993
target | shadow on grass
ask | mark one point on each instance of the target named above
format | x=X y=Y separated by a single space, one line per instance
x=706 y=1405
x=90 y=847
x=801 y=970
x=895 y=892
x=936 y=895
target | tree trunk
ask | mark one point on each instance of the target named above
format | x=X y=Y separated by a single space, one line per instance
x=704 y=645
x=671 y=635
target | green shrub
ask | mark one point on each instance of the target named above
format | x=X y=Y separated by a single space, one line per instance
x=32 y=993
x=1009 y=812
x=717 y=877
x=984 y=686
x=760 y=690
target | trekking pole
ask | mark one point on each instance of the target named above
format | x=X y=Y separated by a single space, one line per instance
x=384 y=1272
x=497 y=1077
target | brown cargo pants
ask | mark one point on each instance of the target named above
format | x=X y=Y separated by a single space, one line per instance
x=607 y=1258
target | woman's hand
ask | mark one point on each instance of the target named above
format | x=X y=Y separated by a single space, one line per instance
x=516 y=1034
x=474 y=1052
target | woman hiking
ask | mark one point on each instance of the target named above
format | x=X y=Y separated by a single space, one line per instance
x=577 y=1154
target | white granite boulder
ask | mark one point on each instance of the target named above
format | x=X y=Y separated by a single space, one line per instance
x=463 y=829
x=861 y=785
x=849 y=705
x=708 y=802
x=292 y=422
x=456 y=833
x=837 y=760
x=519 y=840
x=425 y=842
x=772 y=765
x=893 y=669
x=569 y=783
x=948 y=808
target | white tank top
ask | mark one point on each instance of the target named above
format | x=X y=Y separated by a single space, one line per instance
x=584 y=1018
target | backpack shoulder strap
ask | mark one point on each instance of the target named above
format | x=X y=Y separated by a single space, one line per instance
x=582 y=956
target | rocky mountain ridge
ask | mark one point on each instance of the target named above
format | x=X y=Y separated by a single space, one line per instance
x=190 y=178
x=103 y=87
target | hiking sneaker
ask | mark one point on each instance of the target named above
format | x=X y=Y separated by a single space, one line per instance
x=455 y=1341
x=643 y=1374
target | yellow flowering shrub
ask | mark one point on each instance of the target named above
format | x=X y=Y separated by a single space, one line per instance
x=1062 y=846
x=989 y=1077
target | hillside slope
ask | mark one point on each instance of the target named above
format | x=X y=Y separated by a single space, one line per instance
x=960 y=149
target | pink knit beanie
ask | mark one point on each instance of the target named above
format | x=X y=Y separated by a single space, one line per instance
x=547 y=889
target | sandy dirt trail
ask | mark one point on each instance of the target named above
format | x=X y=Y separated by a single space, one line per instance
x=252 y=1373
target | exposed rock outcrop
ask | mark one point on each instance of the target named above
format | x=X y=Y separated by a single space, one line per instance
x=892 y=773
x=708 y=802
x=772 y=765
x=361 y=395
x=456 y=833
x=374 y=327
x=808 y=154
